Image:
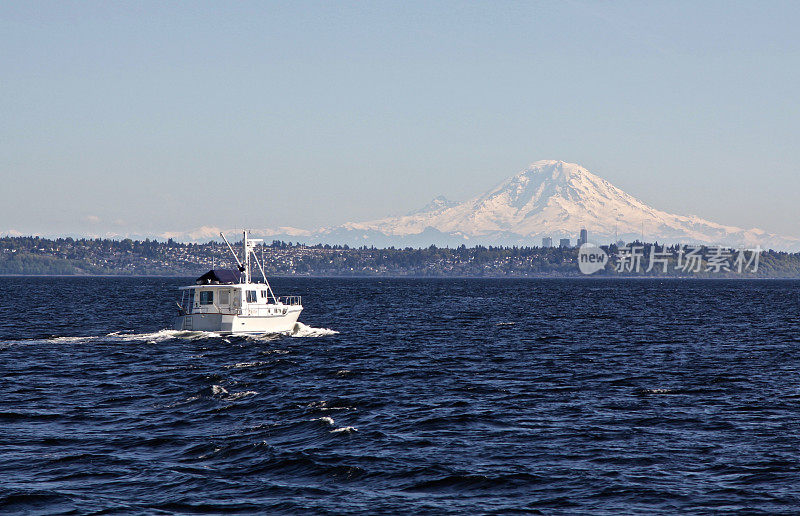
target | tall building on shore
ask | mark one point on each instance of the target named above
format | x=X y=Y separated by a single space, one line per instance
x=584 y=238
x=564 y=242
x=547 y=242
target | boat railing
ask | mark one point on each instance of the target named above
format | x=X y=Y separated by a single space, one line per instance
x=291 y=300
x=262 y=311
x=249 y=309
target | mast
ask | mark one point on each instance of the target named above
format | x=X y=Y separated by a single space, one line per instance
x=244 y=264
x=241 y=267
x=246 y=258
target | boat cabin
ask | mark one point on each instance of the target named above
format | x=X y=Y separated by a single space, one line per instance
x=220 y=292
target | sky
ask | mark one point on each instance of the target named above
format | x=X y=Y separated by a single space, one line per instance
x=160 y=116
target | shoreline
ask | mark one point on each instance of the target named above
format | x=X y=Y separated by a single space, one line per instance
x=362 y=277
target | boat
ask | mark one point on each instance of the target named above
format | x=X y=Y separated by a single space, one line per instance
x=229 y=302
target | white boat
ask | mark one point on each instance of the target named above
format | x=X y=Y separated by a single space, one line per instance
x=227 y=301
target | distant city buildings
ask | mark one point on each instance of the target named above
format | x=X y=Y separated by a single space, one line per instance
x=566 y=242
x=584 y=238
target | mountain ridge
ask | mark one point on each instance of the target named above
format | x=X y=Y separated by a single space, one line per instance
x=549 y=198
x=556 y=198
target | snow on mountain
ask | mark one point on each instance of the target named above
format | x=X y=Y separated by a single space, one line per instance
x=436 y=205
x=549 y=198
x=201 y=234
x=557 y=199
x=209 y=233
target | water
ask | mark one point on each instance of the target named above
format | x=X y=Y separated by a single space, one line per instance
x=438 y=396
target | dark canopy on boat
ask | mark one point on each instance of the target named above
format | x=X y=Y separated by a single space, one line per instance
x=219 y=276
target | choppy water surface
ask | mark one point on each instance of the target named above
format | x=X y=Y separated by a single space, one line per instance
x=440 y=396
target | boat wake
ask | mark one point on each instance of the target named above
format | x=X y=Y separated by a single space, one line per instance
x=121 y=337
x=302 y=330
x=299 y=330
x=160 y=336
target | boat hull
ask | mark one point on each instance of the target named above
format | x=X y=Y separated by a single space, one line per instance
x=229 y=323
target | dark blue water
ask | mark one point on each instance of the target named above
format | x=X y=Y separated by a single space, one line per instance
x=437 y=396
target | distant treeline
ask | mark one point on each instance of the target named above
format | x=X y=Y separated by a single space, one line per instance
x=67 y=256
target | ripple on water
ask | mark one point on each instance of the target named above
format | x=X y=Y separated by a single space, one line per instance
x=431 y=396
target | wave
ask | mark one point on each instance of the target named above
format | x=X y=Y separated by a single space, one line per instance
x=327 y=420
x=58 y=340
x=221 y=392
x=302 y=330
x=344 y=430
x=218 y=390
x=299 y=330
x=242 y=365
x=117 y=336
x=659 y=391
x=323 y=406
x=237 y=395
x=474 y=481
x=160 y=336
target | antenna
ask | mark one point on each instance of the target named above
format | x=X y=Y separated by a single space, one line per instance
x=241 y=267
x=246 y=257
x=248 y=244
x=261 y=268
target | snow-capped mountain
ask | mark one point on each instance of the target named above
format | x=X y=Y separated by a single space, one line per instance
x=549 y=198
x=556 y=199
x=208 y=233
x=438 y=204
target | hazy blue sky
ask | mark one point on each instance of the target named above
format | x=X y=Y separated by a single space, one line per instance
x=170 y=115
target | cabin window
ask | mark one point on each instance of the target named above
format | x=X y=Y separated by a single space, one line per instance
x=206 y=297
x=251 y=296
x=224 y=297
x=264 y=294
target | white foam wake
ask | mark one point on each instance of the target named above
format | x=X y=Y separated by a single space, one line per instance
x=302 y=330
x=299 y=330
x=344 y=430
x=159 y=336
x=151 y=337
